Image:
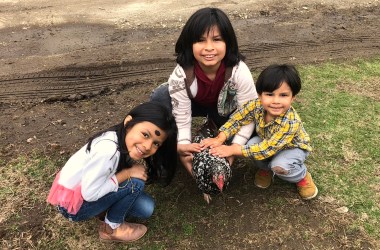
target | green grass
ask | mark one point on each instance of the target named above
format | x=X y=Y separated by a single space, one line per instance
x=340 y=106
x=342 y=115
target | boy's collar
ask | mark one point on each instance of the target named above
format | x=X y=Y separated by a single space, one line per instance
x=278 y=119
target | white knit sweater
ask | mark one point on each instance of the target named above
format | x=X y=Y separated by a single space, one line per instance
x=245 y=90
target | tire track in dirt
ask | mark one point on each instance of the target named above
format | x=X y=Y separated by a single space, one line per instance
x=74 y=84
x=312 y=51
x=316 y=38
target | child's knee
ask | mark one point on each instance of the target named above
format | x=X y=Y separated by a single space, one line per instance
x=148 y=209
x=293 y=174
x=144 y=205
x=280 y=171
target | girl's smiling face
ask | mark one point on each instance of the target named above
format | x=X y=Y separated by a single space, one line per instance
x=144 y=139
x=277 y=102
x=210 y=50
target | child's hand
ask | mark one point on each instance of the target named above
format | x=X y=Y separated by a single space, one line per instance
x=221 y=151
x=188 y=149
x=213 y=142
x=210 y=142
x=138 y=171
x=227 y=151
x=185 y=152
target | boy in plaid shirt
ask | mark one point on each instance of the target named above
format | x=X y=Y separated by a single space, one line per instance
x=281 y=144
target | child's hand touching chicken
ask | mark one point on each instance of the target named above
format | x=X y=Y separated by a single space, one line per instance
x=213 y=142
x=218 y=149
x=226 y=150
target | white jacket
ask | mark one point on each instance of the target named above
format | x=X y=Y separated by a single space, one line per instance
x=242 y=82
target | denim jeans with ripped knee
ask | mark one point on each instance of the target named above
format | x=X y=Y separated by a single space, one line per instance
x=288 y=164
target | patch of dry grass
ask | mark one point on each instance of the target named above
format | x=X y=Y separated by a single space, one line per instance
x=369 y=87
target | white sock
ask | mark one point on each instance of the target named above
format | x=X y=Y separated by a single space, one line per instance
x=112 y=224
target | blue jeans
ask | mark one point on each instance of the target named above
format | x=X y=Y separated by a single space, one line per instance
x=128 y=201
x=291 y=160
x=161 y=95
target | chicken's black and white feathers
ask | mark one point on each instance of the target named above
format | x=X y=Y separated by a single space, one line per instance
x=205 y=165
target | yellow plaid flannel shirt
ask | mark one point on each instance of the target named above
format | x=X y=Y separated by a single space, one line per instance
x=284 y=132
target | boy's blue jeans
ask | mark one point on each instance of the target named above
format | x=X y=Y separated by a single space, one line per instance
x=291 y=160
x=129 y=201
x=161 y=95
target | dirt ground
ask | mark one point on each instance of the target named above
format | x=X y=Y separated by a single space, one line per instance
x=71 y=68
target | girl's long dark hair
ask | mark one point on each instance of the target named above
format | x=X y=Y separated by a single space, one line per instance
x=161 y=165
x=200 y=22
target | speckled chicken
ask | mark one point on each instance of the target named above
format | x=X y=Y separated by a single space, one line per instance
x=212 y=174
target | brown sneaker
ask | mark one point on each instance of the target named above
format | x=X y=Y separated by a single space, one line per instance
x=307 y=188
x=263 y=178
x=127 y=232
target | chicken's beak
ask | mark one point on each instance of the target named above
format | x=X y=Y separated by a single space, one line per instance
x=219 y=182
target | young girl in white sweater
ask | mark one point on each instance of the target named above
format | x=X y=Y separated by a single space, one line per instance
x=210 y=79
x=105 y=175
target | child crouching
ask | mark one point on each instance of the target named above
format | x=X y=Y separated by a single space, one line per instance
x=282 y=144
